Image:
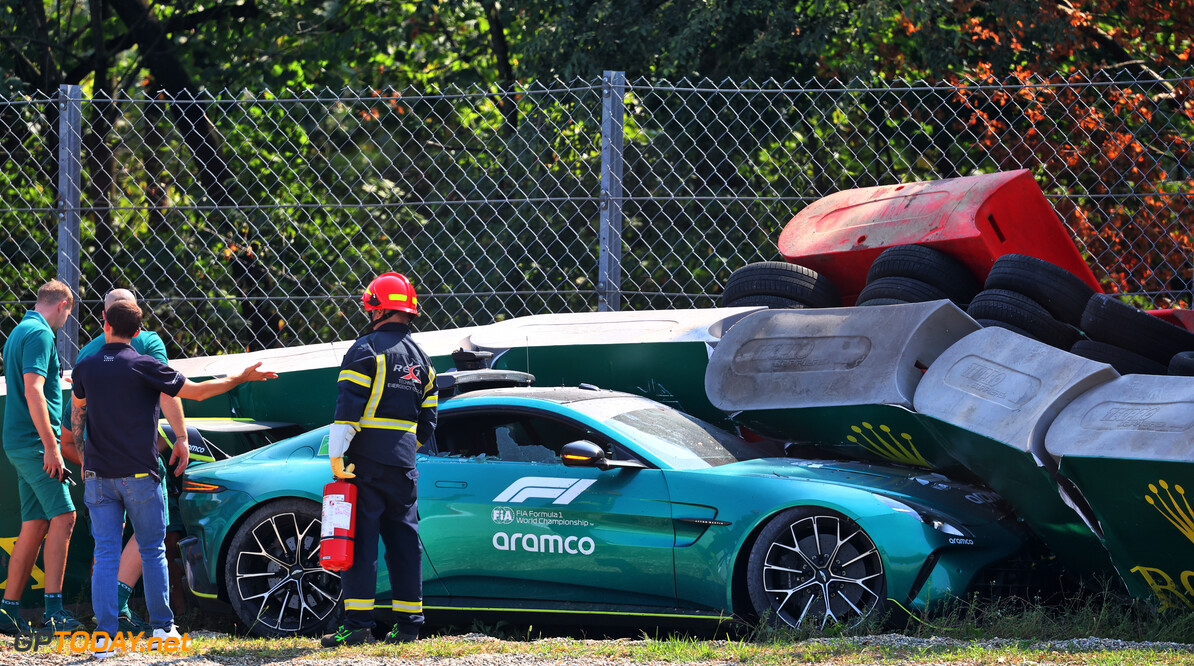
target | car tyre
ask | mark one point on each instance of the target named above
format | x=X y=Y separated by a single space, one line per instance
x=1063 y=294
x=813 y=566
x=909 y=290
x=272 y=573
x=1108 y=319
x=777 y=278
x=1125 y=362
x=927 y=265
x=1182 y=364
x=1024 y=314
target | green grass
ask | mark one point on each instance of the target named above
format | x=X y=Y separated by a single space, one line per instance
x=681 y=649
x=968 y=632
x=1008 y=631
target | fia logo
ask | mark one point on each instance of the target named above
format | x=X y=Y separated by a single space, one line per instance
x=503 y=515
x=561 y=491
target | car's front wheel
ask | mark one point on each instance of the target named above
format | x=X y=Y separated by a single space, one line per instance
x=812 y=567
x=272 y=572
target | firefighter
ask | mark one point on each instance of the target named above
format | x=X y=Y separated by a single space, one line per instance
x=385 y=412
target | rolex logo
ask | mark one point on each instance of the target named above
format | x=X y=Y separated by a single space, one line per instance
x=886 y=445
x=1175 y=509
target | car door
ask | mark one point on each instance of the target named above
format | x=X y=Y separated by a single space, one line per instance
x=504 y=519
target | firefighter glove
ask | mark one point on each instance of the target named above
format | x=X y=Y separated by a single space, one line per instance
x=339 y=471
x=339 y=437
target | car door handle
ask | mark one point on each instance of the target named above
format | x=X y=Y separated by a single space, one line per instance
x=451 y=484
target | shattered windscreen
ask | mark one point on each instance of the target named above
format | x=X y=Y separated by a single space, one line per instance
x=683 y=441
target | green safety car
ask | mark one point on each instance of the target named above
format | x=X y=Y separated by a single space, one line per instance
x=576 y=500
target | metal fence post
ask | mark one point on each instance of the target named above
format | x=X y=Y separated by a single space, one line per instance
x=70 y=179
x=609 y=262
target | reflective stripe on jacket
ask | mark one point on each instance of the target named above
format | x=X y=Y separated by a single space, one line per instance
x=387 y=391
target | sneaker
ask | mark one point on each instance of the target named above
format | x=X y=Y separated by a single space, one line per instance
x=104 y=654
x=13 y=624
x=60 y=621
x=168 y=632
x=345 y=636
x=396 y=638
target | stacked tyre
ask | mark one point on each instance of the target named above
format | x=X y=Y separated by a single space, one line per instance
x=1034 y=298
x=777 y=284
x=1133 y=341
x=915 y=274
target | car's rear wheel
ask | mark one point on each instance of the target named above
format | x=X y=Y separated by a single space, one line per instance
x=812 y=567
x=272 y=572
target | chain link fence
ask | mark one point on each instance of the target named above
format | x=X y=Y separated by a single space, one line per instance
x=252 y=220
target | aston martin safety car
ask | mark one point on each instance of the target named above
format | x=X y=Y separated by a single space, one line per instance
x=580 y=500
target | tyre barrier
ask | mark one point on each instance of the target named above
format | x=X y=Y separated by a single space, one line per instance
x=1107 y=319
x=929 y=266
x=762 y=282
x=1125 y=362
x=1061 y=293
x=1021 y=313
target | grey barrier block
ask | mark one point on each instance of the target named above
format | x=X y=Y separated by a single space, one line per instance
x=1128 y=445
x=610 y=328
x=1138 y=417
x=1006 y=387
x=792 y=359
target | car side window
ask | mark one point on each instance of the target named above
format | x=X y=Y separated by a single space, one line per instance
x=508 y=437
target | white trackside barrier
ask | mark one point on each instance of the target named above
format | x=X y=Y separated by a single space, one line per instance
x=797 y=359
x=1007 y=387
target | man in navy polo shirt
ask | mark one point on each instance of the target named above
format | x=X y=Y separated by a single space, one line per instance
x=116 y=398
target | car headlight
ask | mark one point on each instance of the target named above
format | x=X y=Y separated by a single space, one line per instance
x=925 y=516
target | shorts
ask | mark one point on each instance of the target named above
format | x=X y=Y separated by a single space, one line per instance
x=42 y=496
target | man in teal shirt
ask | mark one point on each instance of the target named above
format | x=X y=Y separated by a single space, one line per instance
x=149 y=344
x=31 y=431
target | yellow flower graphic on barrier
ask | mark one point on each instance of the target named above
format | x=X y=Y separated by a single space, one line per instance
x=886 y=445
x=1179 y=514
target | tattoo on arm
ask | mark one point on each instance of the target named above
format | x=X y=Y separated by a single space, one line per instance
x=78 y=422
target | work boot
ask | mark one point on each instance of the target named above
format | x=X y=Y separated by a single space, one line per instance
x=132 y=623
x=396 y=637
x=13 y=624
x=345 y=636
x=52 y=623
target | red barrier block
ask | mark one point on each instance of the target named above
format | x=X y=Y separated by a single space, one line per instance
x=975 y=219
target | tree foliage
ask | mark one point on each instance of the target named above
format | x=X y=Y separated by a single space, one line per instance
x=262 y=200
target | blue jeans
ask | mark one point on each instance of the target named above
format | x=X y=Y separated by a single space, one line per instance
x=108 y=500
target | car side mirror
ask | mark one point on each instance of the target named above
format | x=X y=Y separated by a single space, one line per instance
x=583 y=453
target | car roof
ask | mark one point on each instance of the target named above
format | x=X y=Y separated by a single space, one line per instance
x=558 y=394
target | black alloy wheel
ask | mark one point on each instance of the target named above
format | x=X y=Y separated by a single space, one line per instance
x=814 y=567
x=272 y=572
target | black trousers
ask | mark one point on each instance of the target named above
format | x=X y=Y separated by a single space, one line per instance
x=387 y=508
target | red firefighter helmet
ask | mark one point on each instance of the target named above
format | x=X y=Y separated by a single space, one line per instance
x=391 y=291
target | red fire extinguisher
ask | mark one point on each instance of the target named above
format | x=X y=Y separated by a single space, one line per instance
x=339 y=525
